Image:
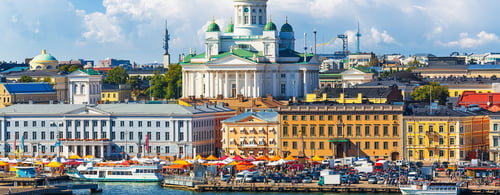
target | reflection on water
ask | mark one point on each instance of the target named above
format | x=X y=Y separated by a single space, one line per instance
x=153 y=188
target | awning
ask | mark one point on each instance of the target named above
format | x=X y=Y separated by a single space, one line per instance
x=242 y=128
x=251 y=128
x=338 y=140
x=175 y=166
x=261 y=129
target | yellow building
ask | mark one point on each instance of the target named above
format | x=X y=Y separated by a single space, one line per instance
x=356 y=95
x=43 y=61
x=494 y=137
x=336 y=131
x=115 y=93
x=251 y=133
x=446 y=135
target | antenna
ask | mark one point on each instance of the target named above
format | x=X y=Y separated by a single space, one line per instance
x=305 y=47
x=357 y=39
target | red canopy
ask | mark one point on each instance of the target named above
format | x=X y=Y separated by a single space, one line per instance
x=245 y=163
x=250 y=158
x=223 y=158
x=238 y=158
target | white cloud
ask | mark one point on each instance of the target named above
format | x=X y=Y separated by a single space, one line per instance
x=101 y=28
x=482 y=38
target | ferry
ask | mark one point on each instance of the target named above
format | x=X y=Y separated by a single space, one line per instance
x=131 y=173
x=424 y=187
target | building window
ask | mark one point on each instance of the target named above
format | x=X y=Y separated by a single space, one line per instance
x=367 y=145
x=367 y=117
x=285 y=117
x=349 y=117
x=420 y=128
x=122 y=123
x=312 y=118
x=410 y=141
x=410 y=128
x=285 y=144
x=339 y=118
x=441 y=153
x=321 y=118
x=294 y=131
x=283 y=89
x=452 y=141
x=321 y=145
x=330 y=130
x=167 y=136
x=441 y=141
x=312 y=145
x=294 y=117
x=321 y=131
x=395 y=130
x=294 y=145
x=167 y=124
x=303 y=130
x=16 y=124
x=349 y=130
x=410 y=153
x=386 y=130
x=285 y=131
x=34 y=124
x=394 y=117
x=139 y=123
x=495 y=127
x=367 y=130
x=376 y=117
x=131 y=135
x=131 y=123
x=34 y=135
x=339 y=131
x=395 y=145
x=312 y=131
x=148 y=123
x=386 y=145
x=441 y=129
x=330 y=117
x=51 y=135
x=358 y=117
x=375 y=145
x=452 y=154
x=420 y=141
x=25 y=123
x=157 y=123
x=431 y=128
x=181 y=136
x=303 y=117
x=431 y=153
x=376 y=130
x=43 y=135
x=122 y=135
x=358 y=130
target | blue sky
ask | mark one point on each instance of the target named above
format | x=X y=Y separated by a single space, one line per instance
x=133 y=29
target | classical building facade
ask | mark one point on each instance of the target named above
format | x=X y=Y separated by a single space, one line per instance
x=494 y=137
x=110 y=131
x=445 y=135
x=251 y=58
x=251 y=133
x=84 y=87
x=336 y=131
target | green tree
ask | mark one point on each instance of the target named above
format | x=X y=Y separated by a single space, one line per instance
x=117 y=75
x=26 y=79
x=434 y=91
x=414 y=62
x=73 y=68
x=173 y=78
x=158 y=86
x=374 y=62
x=47 y=79
x=410 y=69
x=64 y=68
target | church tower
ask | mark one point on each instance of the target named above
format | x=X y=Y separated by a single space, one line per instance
x=250 y=16
x=166 y=55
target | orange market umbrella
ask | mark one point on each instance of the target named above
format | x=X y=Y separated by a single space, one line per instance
x=211 y=157
x=290 y=158
x=275 y=158
x=198 y=157
x=54 y=164
x=317 y=158
x=3 y=163
x=181 y=162
x=75 y=157
x=233 y=163
x=262 y=158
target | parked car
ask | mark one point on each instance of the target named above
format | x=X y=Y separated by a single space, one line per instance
x=363 y=176
x=419 y=164
x=260 y=179
x=307 y=180
x=286 y=180
x=225 y=177
x=372 y=180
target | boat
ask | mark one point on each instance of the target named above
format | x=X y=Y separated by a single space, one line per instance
x=119 y=173
x=425 y=187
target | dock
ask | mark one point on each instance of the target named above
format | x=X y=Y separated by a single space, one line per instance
x=296 y=188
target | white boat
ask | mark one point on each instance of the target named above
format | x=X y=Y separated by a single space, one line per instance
x=424 y=187
x=135 y=173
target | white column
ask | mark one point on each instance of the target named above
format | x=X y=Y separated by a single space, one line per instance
x=260 y=84
x=274 y=85
x=93 y=151
x=184 y=84
x=205 y=94
x=255 y=84
x=245 y=92
x=237 y=83
x=217 y=84
x=305 y=83
x=226 y=85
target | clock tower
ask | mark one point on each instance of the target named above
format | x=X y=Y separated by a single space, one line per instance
x=250 y=16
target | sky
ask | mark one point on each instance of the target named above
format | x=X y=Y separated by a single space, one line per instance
x=133 y=29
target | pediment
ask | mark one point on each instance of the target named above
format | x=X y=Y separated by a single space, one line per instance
x=251 y=119
x=87 y=110
x=77 y=73
x=314 y=60
x=232 y=59
x=352 y=71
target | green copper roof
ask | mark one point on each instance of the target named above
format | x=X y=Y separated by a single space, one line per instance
x=238 y=52
x=270 y=26
x=213 y=27
x=44 y=57
x=230 y=28
x=286 y=28
x=90 y=72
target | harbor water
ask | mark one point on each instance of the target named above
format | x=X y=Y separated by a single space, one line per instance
x=155 y=189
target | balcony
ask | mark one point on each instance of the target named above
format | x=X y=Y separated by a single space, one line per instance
x=248 y=145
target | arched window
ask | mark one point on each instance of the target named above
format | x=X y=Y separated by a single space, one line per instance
x=49 y=67
x=82 y=89
x=75 y=89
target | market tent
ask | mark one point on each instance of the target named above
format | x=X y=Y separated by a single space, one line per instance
x=181 y=162
x=245 y=163
x=211 y=157
x=250 y=158
x=262 y=158
x=291 y=158
x=244 y=167
x=317 y=158
x=75 y=157
x=238 y=158
x=54 y=164
x=223 y=158
x=3 y=163
x=275 y=158
x=233 y=163
x=88 y=156
x=198 y=157
x=175 y=166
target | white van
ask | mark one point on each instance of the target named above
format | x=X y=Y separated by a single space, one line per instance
x=241 y=176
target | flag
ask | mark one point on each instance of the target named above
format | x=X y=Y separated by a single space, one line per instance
x=147 y=143
x=58 y=143
x=15 y=149
x=22 y=144
x=140 y=145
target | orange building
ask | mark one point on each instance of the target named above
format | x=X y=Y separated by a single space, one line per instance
x=336 y=131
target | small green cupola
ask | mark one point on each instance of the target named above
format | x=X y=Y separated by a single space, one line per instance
x=230 y=27
x=213 y=27
x=270 y=26
x=286 y=27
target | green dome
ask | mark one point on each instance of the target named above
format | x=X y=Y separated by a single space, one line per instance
x=213 y=27
x=44 y=57
x=270 y=26
x=286 y=28
x=230 y=28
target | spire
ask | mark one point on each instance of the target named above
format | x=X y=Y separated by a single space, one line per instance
x=166 y=39
x=213 y=19
x=286 y=20
x=231 y=22
x=357 y=39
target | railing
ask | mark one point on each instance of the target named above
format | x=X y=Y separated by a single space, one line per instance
x=183 y=180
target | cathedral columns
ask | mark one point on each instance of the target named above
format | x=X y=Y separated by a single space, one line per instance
x=226 y=85
x=274 y=84
x=217 y=84
x=245 y=92
x=305 y=82
x=237 y=83
x=255 y=84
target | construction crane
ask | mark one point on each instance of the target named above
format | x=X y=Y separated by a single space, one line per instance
x=327 y=43
x=340 y=36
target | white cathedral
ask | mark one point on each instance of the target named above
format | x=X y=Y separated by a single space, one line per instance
x=251 y=58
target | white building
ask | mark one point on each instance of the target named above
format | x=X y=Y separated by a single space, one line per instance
x=84 y=87
x=251 y=58
x=111 y=131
